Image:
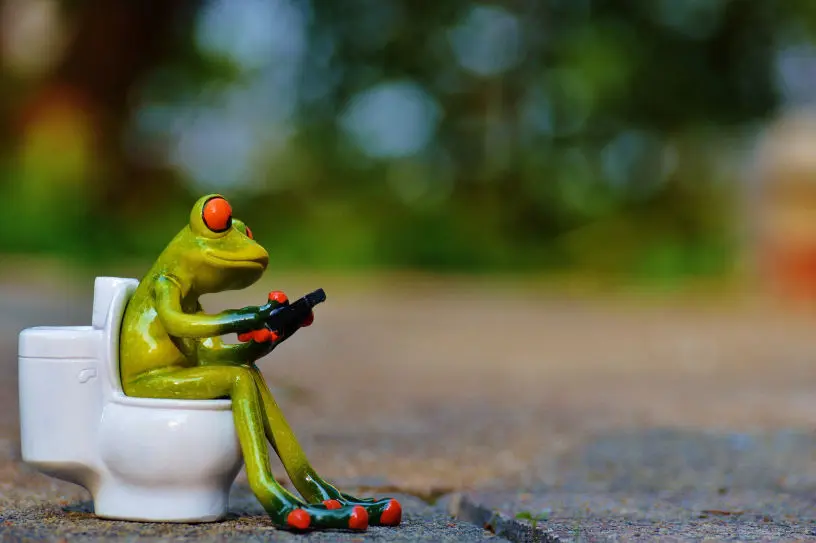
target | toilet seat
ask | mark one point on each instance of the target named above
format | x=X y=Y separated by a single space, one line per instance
x=153 y=403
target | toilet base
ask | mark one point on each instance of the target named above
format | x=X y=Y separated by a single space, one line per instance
x=151 y=504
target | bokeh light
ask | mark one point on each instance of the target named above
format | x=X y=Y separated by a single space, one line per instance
x=524 y=137
x=392 y=120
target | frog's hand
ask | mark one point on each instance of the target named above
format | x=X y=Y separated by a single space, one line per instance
x=168 y=296
x=264 y=335
x=286 y=324
x=276 y=299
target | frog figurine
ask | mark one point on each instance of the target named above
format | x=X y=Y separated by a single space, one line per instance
x=169 y=348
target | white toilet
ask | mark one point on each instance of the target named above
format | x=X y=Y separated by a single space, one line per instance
x=141 y=459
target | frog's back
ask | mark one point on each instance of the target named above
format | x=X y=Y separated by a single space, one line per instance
x=144 y=343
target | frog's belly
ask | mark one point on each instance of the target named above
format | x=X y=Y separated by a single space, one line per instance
x=145 y=346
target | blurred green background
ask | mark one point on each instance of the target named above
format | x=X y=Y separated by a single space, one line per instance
x=597 y=137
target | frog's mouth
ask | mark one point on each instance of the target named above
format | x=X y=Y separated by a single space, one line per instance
x=224 y=261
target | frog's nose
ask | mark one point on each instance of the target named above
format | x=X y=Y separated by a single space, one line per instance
x=263 y=257
x=254 y=252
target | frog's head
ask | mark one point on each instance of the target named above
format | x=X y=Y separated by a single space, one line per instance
x=218 y=252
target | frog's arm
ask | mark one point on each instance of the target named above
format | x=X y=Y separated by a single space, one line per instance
x=213 y=352
x=177 y=323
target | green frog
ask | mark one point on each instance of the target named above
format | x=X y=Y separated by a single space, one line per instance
x=170 y=348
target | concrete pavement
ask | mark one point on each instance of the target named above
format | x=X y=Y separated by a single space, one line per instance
x=590 y=409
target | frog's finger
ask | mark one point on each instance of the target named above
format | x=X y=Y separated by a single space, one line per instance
x=278 y=297
x=261 y=335
x=308 y=320
x=264 y=335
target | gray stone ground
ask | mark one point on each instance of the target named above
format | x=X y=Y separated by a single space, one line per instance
x=671 y=484
x=30 y=519
x=610 y=419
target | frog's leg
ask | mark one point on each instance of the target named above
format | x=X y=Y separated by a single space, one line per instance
x=214 y=352
x=237 y=383
x=385 y=512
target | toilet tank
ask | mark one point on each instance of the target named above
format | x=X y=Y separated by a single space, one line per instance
x=60 y=399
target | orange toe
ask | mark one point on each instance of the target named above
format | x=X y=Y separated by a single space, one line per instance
x=298 y=519
x=392 y=515
x=332 y=504
x=359 y=518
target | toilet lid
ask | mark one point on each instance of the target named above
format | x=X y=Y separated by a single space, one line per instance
x=59 y=342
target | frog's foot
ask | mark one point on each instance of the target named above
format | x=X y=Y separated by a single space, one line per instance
x=384 y=512
x=317 y=517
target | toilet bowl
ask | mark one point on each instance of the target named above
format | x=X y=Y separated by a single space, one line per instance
x=141 y=459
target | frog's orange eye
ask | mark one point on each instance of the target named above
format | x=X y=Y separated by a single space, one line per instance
x=249 y=233
x=217 y=214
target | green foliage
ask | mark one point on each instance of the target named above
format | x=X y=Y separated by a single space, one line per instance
x=597 y=146
x=534 y=520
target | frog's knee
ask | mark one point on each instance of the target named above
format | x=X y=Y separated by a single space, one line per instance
x=241 y=378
